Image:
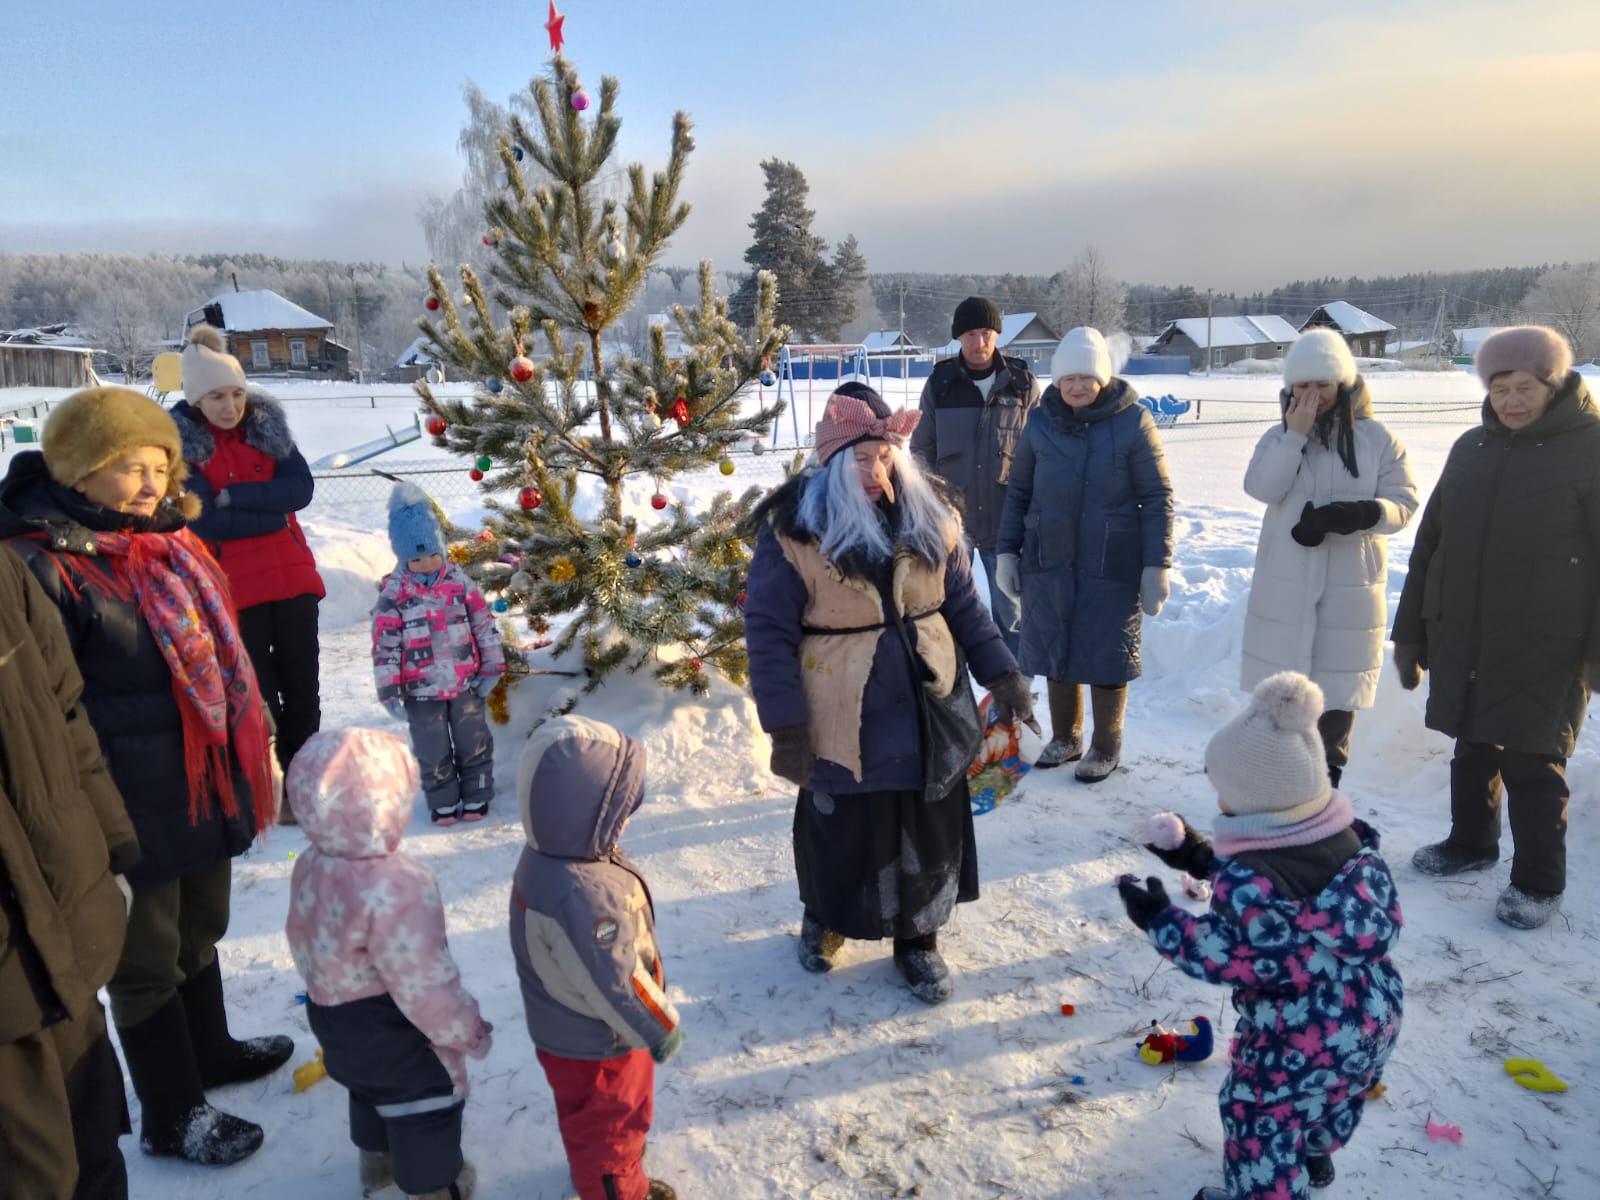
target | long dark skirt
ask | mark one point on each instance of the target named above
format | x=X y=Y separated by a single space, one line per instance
x=884 y=864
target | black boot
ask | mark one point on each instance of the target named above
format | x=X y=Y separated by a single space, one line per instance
x=1446 y=858
x=175 y=1121
x=923 y=968
x=222 y=1059
x=818 y=946
x=1320 y=1168
x=660 y=1191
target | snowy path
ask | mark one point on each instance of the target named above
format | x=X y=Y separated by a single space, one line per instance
x=842 y=1086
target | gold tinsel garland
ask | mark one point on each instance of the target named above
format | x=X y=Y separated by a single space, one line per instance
x=562 y=570
x=499 y=708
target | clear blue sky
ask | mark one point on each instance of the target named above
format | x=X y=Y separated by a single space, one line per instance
x=302 y=127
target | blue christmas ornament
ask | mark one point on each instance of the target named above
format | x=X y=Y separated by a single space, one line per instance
x=495 y=384
x=633 y=560
x=500 y=604
x=516 y=153
x=768 y=379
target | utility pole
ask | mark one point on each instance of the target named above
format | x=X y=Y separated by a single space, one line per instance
x=1210 y=354
x=902 y=310
x=355 y=294
x=1438 y=328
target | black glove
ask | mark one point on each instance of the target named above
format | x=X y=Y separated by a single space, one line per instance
x=1410 y=660
x=1142 y=903
x=1349 y=516
x=1308 y=532
x=1013 y=700
x=791 y=754
x=1194 y=854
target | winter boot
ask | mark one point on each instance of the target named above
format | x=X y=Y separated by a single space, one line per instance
x=222 y=1059
x=462 y=1189
x=174 y=1120
x=660 y=1191
x=923 y=968
x=377 y=1171
x=1066 y=726
x=1446 y=858
x=1526 y=910
x=818 y=946
x=1211 y=1193
x=1105 y=748
x=1320 y=1168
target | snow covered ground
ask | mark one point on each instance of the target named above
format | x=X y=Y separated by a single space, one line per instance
x=842 y=1085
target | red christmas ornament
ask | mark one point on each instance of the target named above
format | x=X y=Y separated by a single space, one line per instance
x=741 y=599
x=475 y=475
x=486 y=239
x=658 y=501
x=552 y=26
x=698 y=664
x=431 y=304
x=522 y=368
x=485 y=535
x=530 y=498
x=680 y=411
x=436 y=426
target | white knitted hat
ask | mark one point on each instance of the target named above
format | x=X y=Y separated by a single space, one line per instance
x=207 y=365
x=1267 y=764
x=1082 y=352
x=1319 y=356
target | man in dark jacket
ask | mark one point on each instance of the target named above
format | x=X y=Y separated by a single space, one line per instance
x=973 y=409
x=1501 y=606
x=63 y=832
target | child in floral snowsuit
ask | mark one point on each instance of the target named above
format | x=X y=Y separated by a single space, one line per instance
x=1303 y=916
x=437 y=655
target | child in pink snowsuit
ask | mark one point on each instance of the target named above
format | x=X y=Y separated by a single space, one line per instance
x=366 y=928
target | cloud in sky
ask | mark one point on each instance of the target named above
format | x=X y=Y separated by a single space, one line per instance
x=1376 y=138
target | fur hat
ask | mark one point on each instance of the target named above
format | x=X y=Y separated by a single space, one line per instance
x=975 y=312
x=1267 y=764
x=1319 y=356
x=413 y=525
x=207 y=365
x=90 y=428
x=1082 y=352
x=1536 y=349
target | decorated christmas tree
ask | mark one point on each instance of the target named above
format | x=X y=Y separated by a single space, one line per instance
x=660 y=586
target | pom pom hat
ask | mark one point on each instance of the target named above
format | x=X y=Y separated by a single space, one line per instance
x=413 y=526
x=1271 y=773
x=207 y=365
x=1319 y=356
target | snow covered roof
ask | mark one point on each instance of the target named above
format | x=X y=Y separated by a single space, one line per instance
x=1256 y=330
x=1468 y=340
x=420 y=353
x=61 y=335
x=1347 y=318
x=260 y=309
x=1012 y=326
x=879 y=340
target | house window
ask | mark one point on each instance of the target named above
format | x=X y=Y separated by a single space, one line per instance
x=259 y=359
x=297 y=352
x=1219 y=357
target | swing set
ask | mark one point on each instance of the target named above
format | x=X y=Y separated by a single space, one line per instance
x=809 y=356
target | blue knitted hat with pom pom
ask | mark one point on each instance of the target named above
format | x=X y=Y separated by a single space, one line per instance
x=413 y=526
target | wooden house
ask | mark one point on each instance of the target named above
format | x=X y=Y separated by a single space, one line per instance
x=270 y=335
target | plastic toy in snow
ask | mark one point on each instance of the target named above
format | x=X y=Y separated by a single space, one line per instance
x=1168 y=1045
x=309 y=1073
x=1000 y=762
x=1443 y=1131
x=1534 y=1075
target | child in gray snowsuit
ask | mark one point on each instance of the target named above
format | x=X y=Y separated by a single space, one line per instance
x=583 y=937
x=437 y=655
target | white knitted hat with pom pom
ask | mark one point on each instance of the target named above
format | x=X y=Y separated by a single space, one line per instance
x=206 y=364
x=1267 y=764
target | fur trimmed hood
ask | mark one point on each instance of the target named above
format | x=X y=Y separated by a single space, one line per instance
x=266 y=428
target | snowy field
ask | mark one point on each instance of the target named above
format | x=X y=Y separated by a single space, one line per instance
x=842 y=1086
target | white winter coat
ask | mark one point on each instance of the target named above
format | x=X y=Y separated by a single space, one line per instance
x=1322 y=610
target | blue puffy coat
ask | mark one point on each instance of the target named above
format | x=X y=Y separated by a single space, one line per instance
x=1088 y=507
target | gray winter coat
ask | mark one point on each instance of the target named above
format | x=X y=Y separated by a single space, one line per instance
x=582 y=924
x=1088 y=508
x=969 y=442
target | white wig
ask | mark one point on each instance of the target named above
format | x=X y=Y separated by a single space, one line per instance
x=835 y=508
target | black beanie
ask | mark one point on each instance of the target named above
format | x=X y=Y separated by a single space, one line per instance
x=975 y=313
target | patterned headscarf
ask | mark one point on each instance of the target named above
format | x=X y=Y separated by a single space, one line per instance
x=851 y=417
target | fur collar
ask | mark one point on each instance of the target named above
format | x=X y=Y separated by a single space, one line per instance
x=266 y=428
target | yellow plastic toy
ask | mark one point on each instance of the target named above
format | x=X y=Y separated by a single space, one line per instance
x=309 y=1073
x=1534 y=1075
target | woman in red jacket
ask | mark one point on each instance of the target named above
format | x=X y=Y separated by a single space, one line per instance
x=251 y=480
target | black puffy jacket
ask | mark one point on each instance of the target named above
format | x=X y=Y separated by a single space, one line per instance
x=127 y=688
x=1504 y=579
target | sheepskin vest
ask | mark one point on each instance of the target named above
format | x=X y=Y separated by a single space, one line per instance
x=835 y=666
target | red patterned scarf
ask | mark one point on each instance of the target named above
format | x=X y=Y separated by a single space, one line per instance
x=184 y=600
